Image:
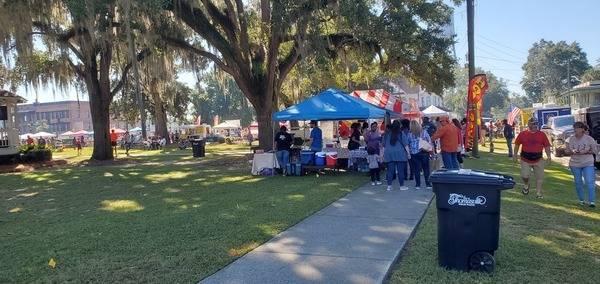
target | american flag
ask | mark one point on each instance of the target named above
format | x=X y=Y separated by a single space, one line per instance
x=513 y=112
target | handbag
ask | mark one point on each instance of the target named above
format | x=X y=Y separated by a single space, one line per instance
x=435 y=162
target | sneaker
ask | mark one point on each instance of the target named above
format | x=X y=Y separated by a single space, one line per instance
x=581 y=202
x=429 y=187
x=389 y=188
x=378 y=183
x=373 y=183
x=417 y=187
x=403 y=188
x=592 y=204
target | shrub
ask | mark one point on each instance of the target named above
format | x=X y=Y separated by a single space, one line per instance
x=37 y=155
x=221 y=139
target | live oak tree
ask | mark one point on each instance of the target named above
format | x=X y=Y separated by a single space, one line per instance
x=86 y=36
x=552 y=68
x=259 y=42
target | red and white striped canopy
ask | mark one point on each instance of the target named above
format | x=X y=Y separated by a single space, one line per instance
x=380 y=98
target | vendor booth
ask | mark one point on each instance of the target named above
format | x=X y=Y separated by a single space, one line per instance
x=434 y=111
x=334 y=104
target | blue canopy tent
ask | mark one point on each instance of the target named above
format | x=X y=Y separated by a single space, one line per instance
x=333 y=104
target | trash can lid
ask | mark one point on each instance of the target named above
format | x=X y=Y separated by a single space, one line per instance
x=469 y=176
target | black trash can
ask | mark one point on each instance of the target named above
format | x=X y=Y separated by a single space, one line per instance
x=468 y=211
x=198 y=147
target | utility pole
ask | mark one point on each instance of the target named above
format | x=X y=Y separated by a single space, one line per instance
x=471 y=39
x=569 y=81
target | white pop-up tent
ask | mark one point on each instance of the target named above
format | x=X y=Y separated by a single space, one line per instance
x=226 y=125
x=432 y=111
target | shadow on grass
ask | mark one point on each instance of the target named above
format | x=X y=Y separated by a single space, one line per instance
x=104 y=223
x=538 y=237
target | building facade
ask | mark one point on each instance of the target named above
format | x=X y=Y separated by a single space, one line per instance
x=59 y=117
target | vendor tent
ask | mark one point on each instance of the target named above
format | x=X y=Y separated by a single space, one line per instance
x=380 y=98
x=432 y=111
x=43 y=134
x=118 y=130
x=68 y=133
x=332 y=104
x=24 y=136
x=136 y=129
x=79 y=133
x=226 y=125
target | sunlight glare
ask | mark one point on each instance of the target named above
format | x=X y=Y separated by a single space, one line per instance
x=121 y=206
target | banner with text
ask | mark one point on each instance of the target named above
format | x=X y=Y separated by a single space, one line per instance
x=477 y=87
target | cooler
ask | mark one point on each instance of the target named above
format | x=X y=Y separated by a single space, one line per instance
x=307 y=157
x=331 y=159
x=320 y=158
x=294 y=169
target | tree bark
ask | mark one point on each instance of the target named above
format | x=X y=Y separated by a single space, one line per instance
x=160 y=114
x=265 y=128
x=99 y=108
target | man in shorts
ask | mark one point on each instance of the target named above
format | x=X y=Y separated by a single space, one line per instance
x=533 y=142
x=113 y=141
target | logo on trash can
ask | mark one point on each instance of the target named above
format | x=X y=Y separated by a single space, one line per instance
x=462 y=200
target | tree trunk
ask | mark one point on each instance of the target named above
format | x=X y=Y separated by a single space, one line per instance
x=99 y=108
x=265 y=128
x=161 y=117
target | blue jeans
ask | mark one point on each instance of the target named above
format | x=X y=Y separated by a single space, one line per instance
x=283 y=157
x=420 y=161
x=590 y=181
x=510 y=146
x=450 y=161
x=392 y=167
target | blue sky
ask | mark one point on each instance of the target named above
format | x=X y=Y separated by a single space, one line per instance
x=506 y=30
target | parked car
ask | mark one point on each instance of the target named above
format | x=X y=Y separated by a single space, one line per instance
x=558 y=129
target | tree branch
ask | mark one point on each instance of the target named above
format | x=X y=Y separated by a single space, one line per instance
x=182 y=44
x=140 y=56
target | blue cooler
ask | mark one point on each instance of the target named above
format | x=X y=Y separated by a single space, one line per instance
x=294 y=169
x=320 y=158
x=307 y=157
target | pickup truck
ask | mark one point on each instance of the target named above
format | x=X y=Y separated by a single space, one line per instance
x=558 y=129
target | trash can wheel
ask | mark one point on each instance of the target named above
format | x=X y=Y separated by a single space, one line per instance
x=482 y=261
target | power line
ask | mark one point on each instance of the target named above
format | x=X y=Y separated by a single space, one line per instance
x=519 y=51
x=494 y=55
x=498 y=59
x=494 y=48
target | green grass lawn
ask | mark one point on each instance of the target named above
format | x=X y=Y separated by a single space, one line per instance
x=550 y=240
x=165 y=217
x=173 y=220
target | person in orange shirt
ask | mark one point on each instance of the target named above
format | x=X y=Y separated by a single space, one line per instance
x=448 y=143
x=113 y=141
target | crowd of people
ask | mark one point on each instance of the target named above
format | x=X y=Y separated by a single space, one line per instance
x=407 y=147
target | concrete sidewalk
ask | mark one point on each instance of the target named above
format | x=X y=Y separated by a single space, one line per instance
x=356 y=239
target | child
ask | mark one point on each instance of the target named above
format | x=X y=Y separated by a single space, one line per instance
x=373 y=160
